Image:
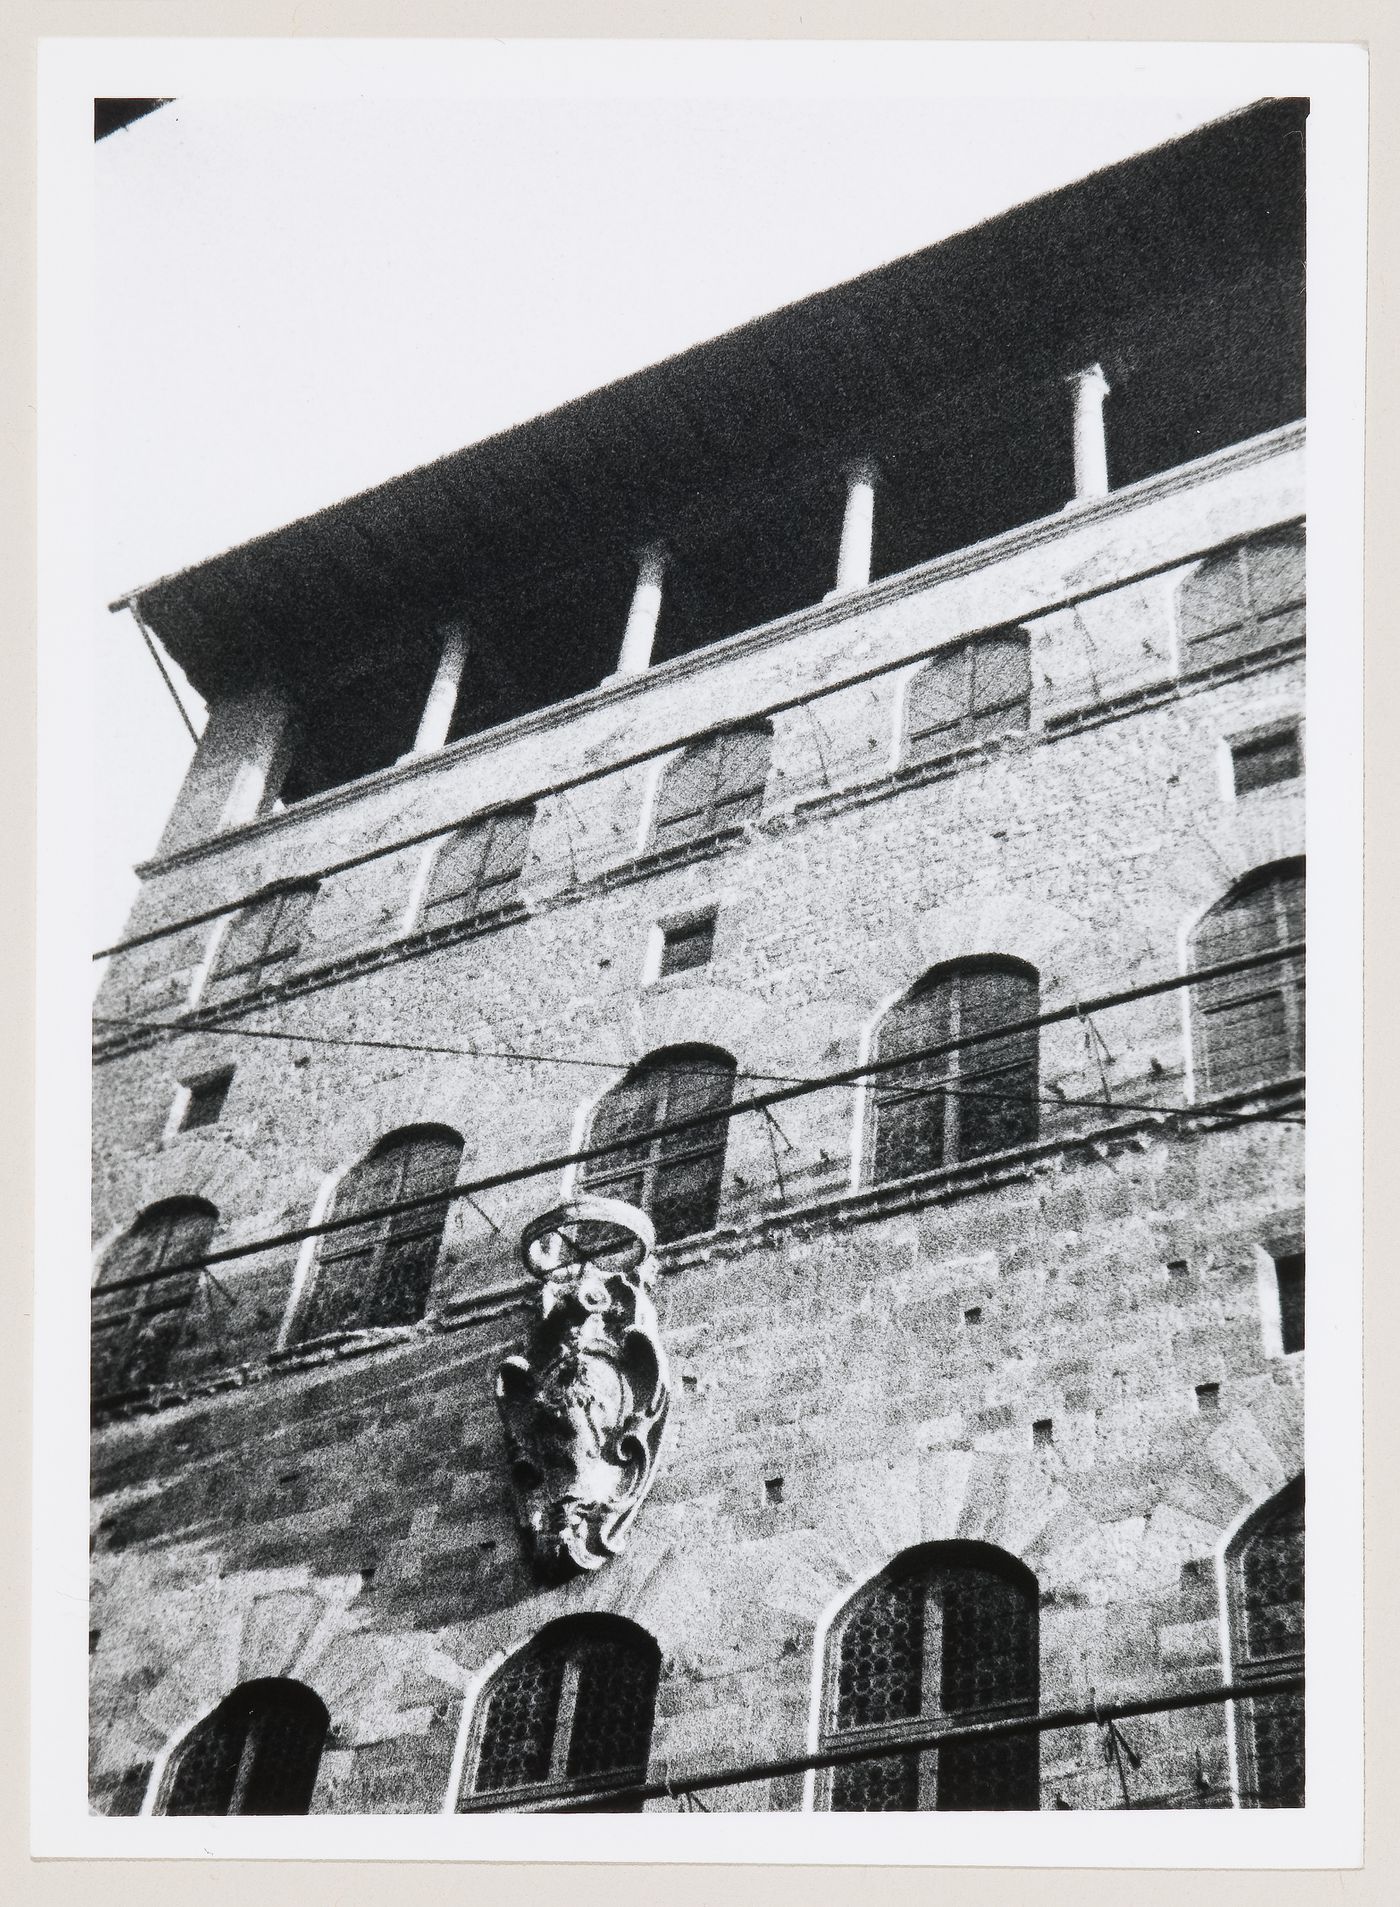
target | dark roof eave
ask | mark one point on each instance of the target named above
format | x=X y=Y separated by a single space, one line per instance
x=234 y=613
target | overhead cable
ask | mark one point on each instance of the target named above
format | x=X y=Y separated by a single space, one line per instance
x=636 y=758
x=839 y=1754
x=753 y=1103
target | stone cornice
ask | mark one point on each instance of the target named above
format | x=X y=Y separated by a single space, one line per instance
x=776 y=821
x=752 y=642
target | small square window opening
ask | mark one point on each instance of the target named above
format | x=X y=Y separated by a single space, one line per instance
x=1208 y=1399
x=1264 y=760
x=1289 y=1272
x=773 y=1490
x=205 y=1104
x=1043 y=1431
x=691 y=943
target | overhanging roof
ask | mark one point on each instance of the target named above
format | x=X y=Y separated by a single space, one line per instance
x=916 y=354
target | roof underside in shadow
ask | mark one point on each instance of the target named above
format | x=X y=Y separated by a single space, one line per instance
x=1179 y=270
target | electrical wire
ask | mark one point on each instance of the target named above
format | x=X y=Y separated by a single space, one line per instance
x=409 y=1046
x=838 y=1753
x=874 y=1067
x=621 y=763
x=1052 y=1098
x=149 y=641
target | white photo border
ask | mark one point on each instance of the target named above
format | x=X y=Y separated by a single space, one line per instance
x=1327 y=1832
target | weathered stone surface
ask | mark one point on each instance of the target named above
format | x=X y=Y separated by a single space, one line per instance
x=350 y=1522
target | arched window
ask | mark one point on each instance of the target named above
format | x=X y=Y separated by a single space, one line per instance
x=570 y=1712
x=979 y=688
x=1244 y=599
x=141 y=1298
x=258 y=1753
x=675 y=1179
x=1265 y=1577
x=713 y=785
x=379 y=1273
x=477 y=869
x=260 y=942
x=1249 y=1026
x=948 y=1635
x=976 y=1098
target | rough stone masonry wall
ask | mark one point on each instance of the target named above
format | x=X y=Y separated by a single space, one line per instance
x=351 y=1524
x=348 y=1523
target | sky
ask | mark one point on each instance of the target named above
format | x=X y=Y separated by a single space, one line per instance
x=300 y=298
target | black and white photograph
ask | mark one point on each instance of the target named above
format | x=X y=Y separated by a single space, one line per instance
x=695 y=790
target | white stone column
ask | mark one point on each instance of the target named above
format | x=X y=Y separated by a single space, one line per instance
x=642 y=617
x=237 y=769
x=441 y=705
x=264 y=724
x=1090 y=445
x=857 y=529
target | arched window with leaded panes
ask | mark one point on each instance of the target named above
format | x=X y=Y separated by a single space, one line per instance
x=1265 y=1584
x=476 y=871
x=141 y=1299
x=260 y=943
x=713 y=785
x=967 y=693
x=1243 y=600
x=674 y=1177
x=378 y=1272
x=947 y=1635
x=1248 y=1026
x=570 y=1712
x=965 y=1091
x=257 y=1753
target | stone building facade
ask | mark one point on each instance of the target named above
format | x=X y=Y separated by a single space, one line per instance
x=963 y=1380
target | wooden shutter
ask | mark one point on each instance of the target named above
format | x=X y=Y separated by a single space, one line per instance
x=676 y=1178
x=940 y=698
x=1244 y=599
x=715 y=784
x=741 y=775
x=477 y=868
x=259 y=940
x=137 y=1329
x=506 y=854
x=978 y=689
x=379 y=1273
x=1001 y=685
x=968 y=1101
x=1249 y=1026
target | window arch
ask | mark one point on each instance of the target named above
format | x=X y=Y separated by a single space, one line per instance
x=714 y=784
x=1244 y=599
x=948 y=1634
x=974 y=1099
x=1265 y=1584
x=260 y=942
x=571 y=1711
x=141 y=1300
x=476 y=870
x=675 y=1179
x=379 y=1273
x=1249 y=1026
x=257 y=1753
x=979 y=688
